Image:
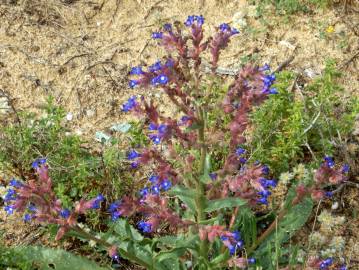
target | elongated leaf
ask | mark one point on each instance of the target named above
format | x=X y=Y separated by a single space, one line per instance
x=186 y=195
x=215 y=205
x=293 y=220
x=58 y=259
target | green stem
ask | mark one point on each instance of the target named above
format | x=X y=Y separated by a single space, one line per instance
x=203 y=249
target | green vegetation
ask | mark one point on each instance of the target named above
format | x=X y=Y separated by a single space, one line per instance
x=300 y=124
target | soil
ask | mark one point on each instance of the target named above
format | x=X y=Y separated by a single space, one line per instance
x=80 y=52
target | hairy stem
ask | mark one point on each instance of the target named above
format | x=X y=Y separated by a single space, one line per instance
x=203 y=250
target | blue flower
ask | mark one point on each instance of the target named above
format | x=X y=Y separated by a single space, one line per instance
x=155 y=139
x=329 y=194
x=27 y=217
x=10 y=195
x=134 y=165
x=237 y=235
x=193 y=18
x=242 y=160
x=113 y=206
x=345 y=168
x=133 y=155
x=31 y=208
x=136 y=70
x=65 y=213
x=130 y=104
x=234 y=31
x=251 y=260
x=266 y=67
x=155 y=189
x=144 y=192
x=329 y=161
x=167 y=27
x=152 y=126
x=115 y=257
x=38 y=162
x=170 y=62
x=262 y=200
x=144 y=226
x=166 y=185
x=240 y=151
x=268 y=183
x=155 y=67
x=9 y=209
x=132 y=83
x=157 y=35
x=162 y=129
x=224 y=27
x=96 y=204
x=265 y=193
x=190 y=20
x=160 y=79
x=232 y=249
x=273 y=91
x=115 y=214
x=213 y=176
x=15 y=183
x=265 y=169
x=153 y=178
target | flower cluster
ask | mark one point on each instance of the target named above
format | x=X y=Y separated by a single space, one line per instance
x=37 y=201
x=251 y=88
x=325 y=175
x=154 y=207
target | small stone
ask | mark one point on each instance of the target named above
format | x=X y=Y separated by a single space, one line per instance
x=339 y=28
x=335 y=206
x=90 y=113
x=69 y=116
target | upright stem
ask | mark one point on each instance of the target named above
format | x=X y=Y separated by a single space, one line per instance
x=200 y=186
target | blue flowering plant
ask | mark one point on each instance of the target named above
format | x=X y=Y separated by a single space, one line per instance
x=190 y=216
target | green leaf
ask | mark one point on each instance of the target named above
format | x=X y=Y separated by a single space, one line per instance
x=220 y=259
x=58 y=259
x=215 y=205
x=292 y=221
x=135 y=252
x=187 y=195
x=126 y=231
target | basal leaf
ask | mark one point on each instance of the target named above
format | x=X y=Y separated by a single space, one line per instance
x=58 y=259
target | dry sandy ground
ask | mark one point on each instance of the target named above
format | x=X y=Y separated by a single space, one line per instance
x=81 y=51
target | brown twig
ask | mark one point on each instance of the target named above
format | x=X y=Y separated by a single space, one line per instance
x=284 y=64
x=347 y=62
x=74 y=57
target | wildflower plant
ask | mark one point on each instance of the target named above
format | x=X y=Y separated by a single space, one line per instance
x=191 y=216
